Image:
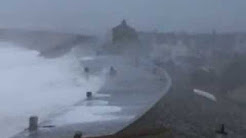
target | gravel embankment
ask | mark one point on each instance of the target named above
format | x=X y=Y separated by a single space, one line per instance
x=190 y=116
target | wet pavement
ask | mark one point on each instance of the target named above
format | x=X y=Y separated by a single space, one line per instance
x=133 y=88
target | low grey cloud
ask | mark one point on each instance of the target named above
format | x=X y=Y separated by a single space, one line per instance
x=98 y=16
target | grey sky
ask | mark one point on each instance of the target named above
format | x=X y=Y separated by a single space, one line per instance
x=98 y=16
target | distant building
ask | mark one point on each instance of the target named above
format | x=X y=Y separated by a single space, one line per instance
x=124 y=34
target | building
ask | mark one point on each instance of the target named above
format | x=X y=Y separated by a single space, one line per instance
x=124 y=34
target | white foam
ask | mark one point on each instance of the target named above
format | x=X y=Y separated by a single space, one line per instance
x=85 y=114
x=33 y=85
x=205 y=94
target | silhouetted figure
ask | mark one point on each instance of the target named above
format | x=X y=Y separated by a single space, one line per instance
x=86 y=70
x=222 y=130
x=33 y=123
x=112 y=71
x=78 y=135
x=89 y=95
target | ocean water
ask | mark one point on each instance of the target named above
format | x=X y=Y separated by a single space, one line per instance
x=33 y=85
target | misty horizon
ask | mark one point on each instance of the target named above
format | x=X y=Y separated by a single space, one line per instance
x=98 y=17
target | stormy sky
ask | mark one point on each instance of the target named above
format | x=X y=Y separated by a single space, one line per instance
x=98 y=16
